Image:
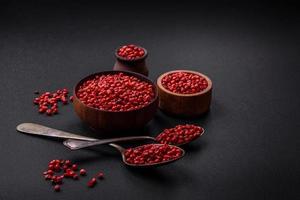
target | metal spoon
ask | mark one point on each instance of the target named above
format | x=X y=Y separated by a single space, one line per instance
x=79 y=144
x=37 y=129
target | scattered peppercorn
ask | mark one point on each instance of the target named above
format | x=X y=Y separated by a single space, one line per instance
x=71 y=98
x=116 y=92
x=131 y=52
x=82 y=172
x=184 y=83
x=59 y=169
x=100 y=175
x=92 y=182
x=180 y=134
x=152 y=153
x=57 y=188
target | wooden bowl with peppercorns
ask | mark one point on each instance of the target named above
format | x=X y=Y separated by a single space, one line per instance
x=184 y=93
x=115 y=100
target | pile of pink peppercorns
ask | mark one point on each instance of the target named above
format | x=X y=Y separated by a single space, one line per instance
x=116 y=92
x=48 y=102
x=59 y=169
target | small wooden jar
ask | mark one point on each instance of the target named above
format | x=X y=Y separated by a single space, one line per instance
x=137 y=65
x=185 y=105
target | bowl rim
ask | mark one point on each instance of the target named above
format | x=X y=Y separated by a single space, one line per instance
x=134 y=60
x=140 y=76
x=159 y=84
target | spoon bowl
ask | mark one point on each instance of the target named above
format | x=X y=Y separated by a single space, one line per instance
x=122 y=151
x=184 y=143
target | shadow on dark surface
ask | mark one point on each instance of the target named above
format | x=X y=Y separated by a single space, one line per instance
x=84 y=129
x=155 y=175
x=195 y=147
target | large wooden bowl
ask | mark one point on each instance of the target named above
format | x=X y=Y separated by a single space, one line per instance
x=110 y=120
x=185 y=105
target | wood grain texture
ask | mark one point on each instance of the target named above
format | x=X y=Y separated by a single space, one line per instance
x=185 y=105
x=112 y=121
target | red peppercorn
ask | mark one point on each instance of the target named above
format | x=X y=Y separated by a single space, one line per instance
x=71 y=173
x=92 y=182
x=50 y=172
x=74 y=167
x=184 y=82
x=51 y=166
x=100 y=175
x=48 y=177
x=49 y=112
x=57 y=188
x=57 y=167
x=68 y=162
x=82 y=172
x=131 y=52
x=116 y=92
x=179 y=134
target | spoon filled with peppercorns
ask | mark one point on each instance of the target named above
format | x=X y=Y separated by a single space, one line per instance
x=179 y=135
x=150 y=154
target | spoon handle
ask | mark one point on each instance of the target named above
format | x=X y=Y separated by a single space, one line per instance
x=79 y=144
x=37 y=129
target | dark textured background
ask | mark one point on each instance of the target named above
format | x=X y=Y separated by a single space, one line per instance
x=250 y=51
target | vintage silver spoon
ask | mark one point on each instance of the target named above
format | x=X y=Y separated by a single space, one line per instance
x=37 y=129
x=79 y=144
x=122 y=151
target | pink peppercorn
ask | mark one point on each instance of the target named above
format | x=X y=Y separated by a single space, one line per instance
x=57 y=188
x=92 y=182
x=82 y=172
x=100 y=175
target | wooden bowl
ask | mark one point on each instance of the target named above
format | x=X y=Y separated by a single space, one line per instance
x=111 y=120
x=185 y=105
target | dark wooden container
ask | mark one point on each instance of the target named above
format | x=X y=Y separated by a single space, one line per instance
x=136 y=65
x=112 y=121
x=185 y=105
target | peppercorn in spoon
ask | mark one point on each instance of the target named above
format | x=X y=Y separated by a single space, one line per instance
x=150 y=155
